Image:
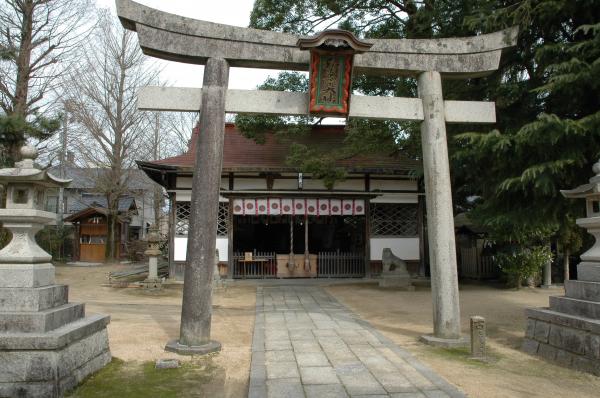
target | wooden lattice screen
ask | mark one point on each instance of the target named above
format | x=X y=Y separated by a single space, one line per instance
x=394 y=219
x=182 y=218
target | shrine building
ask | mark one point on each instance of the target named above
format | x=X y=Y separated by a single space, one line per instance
x=275 y=222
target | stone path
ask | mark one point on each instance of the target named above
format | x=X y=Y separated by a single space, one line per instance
x=307 y=344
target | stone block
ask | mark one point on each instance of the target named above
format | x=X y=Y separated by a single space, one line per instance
x=41 y=321
x=567 y=305
x=77 y=375
x=588 y=271
x=592 y=346
x=33 y=299
x=564 y=358
x=279 y=356
x=311 y=359
x=547 y=352
x=360 y=383
x=583 y=290
x=318 y=375
x=568 y=339
x=29 y=390
x=74 y=355
x=51 y=373
x=583 y=364
x=569 y=320
x=530 y=346
x=282 y=370
x=167 y=363
x=325 y=391
x=55 y=339
x=26 y=275
x=529 y=332
x=395 y=382
x=289 y=388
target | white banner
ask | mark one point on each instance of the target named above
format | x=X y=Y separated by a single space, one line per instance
x=311 y=207
x=323 y=207
x=238 y=206
x=287 y=206
x=336 y=207
x=250 y=207
x=274 y=206
x=359 y=207
x=261 y=206
x=299 y=206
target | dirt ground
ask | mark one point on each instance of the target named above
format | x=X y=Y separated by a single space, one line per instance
x=404 y=316
x=141 y=324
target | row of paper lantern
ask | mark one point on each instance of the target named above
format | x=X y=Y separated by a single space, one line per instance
x=302 y=206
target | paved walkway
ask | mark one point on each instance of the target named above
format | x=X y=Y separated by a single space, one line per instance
x=307 y=344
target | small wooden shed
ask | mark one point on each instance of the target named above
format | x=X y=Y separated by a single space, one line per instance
x=91 y=231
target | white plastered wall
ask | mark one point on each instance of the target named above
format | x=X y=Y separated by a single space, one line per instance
x=407 y=248
x=181 y=248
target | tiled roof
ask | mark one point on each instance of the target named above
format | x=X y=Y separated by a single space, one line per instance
x=86 y=178
x=99 y=201
x=244 y=154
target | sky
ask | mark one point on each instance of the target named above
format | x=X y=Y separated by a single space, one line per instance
x=231 y=12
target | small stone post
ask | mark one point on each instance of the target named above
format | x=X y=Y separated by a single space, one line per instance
x=547 y=283
x=478 y=350
x=216 y=276
x=438 y=194
x=196 y=309
x=153 y=252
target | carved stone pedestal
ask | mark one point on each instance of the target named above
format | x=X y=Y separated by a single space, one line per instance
x=47 y=345
x=569 y=331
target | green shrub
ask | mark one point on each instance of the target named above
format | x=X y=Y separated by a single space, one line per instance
x=519 y=263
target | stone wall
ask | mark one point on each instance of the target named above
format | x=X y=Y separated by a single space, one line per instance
x=567 y=340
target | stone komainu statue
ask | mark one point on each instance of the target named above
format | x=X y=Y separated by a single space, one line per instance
x=391 y=263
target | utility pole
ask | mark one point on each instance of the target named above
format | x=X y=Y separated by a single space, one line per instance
x=61 y=168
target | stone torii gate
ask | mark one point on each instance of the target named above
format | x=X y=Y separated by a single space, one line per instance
x=218 y=47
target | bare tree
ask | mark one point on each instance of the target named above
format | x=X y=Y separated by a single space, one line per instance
x=110 y=131
x=178 y=127
x=38 y=42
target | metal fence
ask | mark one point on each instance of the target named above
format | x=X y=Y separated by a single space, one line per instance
x=340 y=265
x=262 y=265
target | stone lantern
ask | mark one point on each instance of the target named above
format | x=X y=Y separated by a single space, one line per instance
x=590 y=267
x=47 y=345
x=567 y=332
x=153 y=252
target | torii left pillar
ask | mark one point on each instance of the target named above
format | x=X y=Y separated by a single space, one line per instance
x=196 y=310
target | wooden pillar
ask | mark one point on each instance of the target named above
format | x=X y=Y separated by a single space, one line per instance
x=367 y=238
x=172 y=210
x=291 y=260
x=196 y=310
x=306 y=252
x=230 y=262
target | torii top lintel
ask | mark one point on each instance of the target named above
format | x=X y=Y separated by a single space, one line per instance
x=177 y=38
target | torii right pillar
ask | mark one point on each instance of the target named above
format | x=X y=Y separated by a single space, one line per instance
x=438 y=193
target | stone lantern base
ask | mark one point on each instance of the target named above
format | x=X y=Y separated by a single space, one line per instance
x=47 y=345
x=568 y=332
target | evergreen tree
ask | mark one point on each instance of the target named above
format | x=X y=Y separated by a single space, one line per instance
x=548 y=122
